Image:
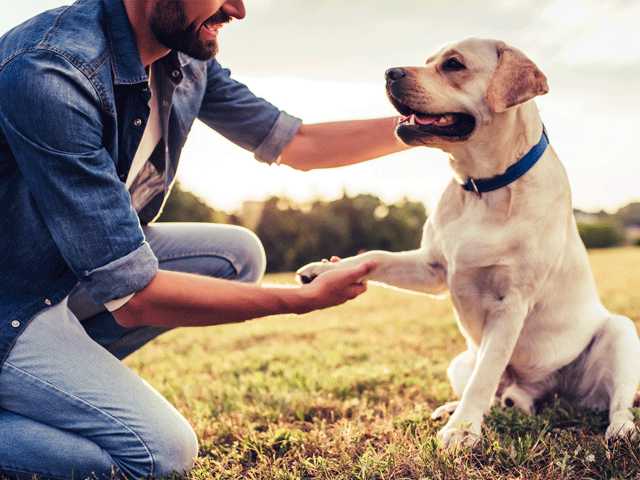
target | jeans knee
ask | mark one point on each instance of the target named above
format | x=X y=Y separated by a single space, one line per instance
x=220 y=251
x=252 y=261
x=177 y=453
x=167 y=445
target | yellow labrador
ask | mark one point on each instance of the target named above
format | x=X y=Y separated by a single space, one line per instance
x=503 y=241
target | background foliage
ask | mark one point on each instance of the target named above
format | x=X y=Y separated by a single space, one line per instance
x=294 y=235
x=603 y=234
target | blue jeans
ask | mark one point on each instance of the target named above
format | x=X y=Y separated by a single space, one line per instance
x=70 y=407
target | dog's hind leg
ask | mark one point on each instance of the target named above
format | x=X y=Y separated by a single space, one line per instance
x=612 y=373
x=519 y=397
x=624 y=364
x=459 y=372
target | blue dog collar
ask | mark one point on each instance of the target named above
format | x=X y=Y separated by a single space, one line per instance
x=513 y=173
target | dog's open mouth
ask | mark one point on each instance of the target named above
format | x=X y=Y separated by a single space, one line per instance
x=452 y=125
x=414 y=124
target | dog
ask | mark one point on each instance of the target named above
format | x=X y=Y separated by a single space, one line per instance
x=503 y=241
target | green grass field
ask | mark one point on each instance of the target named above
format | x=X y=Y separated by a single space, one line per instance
x=347 y=393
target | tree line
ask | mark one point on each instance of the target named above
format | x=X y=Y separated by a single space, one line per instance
x=296 y=234
x=604 y=230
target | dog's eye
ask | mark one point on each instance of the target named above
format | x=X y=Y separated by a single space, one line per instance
x=453 y=65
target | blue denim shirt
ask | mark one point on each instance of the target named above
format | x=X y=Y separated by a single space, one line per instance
x=73 y=106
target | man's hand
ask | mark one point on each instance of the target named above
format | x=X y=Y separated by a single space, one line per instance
x=335 y=287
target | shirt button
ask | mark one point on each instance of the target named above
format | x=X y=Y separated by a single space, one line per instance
x=137 y=122
x=175 y=73
x=15 y=324
x=47 y=302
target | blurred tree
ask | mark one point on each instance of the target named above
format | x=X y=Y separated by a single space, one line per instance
x=603 y=234
x=294 y=236
x=630 y=214
x=184 y=206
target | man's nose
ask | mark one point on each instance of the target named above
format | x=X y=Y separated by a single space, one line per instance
x=234 y=8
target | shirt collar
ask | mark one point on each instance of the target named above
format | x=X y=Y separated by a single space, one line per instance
x=126 y=62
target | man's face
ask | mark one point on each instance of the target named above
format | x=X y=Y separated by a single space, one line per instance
x=191 y=26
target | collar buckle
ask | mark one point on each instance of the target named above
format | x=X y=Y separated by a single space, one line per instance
x=515 y=171
x=475 y=187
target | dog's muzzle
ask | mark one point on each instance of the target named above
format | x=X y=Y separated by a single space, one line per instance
x=417 y=124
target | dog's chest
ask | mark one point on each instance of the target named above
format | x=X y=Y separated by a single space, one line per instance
x=476 y=292
x=465 y=227
x=479 y=253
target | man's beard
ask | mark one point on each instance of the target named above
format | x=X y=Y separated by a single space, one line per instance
x=168 y=24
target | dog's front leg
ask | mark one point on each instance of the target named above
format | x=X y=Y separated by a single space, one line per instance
x=414 y=270
x=499 y=337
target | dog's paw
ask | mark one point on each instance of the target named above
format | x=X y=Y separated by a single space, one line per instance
x=459 y=434
x=309 y=272
x=621 y=429
x=446 y=409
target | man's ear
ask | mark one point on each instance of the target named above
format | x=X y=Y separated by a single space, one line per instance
x=515 y=80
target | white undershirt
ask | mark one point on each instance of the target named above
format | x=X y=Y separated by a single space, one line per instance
x=151 y=136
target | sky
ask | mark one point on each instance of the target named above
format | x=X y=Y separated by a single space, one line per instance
x=324 y=60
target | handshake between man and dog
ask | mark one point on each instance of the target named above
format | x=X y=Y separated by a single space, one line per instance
x=503 y=240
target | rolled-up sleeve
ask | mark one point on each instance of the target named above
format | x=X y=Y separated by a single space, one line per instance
x=251 y=122
x=279 y=136
x=53 y=120
x=123 y=276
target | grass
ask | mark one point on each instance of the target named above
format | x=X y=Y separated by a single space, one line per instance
x=347 y=393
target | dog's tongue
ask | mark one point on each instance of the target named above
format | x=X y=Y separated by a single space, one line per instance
x=439 y=120
x=428 y=120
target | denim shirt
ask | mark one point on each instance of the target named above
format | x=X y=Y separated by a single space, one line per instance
x=73 y=106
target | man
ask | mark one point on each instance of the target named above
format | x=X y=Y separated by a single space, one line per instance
x=96 y=101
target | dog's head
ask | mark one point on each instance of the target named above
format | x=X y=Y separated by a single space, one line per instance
x=461 y=88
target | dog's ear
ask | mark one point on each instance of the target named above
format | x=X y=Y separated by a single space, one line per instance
x=515 y=80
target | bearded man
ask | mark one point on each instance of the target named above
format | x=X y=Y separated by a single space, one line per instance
x=96 y=101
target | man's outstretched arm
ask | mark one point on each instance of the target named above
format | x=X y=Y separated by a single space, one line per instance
x=174 y=299
x=337 y=144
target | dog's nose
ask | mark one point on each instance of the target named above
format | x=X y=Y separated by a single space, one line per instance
x=394 y=74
